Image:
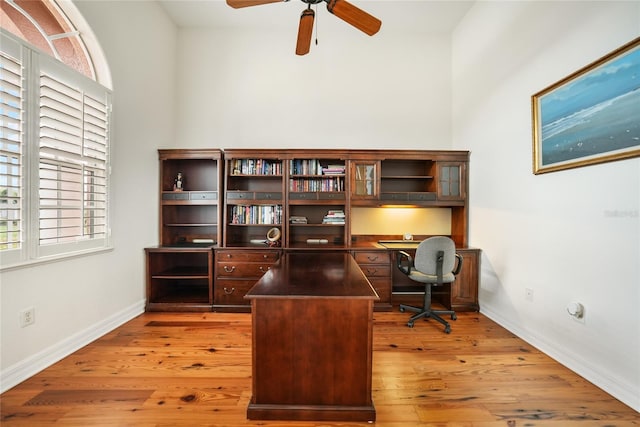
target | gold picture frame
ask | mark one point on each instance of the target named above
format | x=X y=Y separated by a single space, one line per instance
x=591 y=116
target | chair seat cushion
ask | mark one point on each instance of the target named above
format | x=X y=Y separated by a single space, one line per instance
x=430 y=278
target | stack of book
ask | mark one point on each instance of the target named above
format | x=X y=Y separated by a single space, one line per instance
x=333 y=170
x=334 y=216
x=294 y=219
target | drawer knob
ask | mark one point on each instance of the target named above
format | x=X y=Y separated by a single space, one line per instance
x=264 y=270
x=229 y=269
x=372 y=258
x=229 y=291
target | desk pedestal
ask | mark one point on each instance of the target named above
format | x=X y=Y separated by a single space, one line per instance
x=312 y=354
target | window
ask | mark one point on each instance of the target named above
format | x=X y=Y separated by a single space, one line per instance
x=54 y=157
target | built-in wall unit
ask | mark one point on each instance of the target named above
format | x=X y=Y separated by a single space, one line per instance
x=226 y=216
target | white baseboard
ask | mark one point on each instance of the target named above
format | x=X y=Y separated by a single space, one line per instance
x=624 y=391
x=30 y=366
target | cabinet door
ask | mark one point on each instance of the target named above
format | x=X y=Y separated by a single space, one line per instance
x=364 y=179
x=464 y=291
x=451 y=181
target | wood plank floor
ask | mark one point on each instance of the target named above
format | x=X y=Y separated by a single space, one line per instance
x=192 y=369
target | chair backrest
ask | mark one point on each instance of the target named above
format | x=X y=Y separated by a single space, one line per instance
x=427 y=253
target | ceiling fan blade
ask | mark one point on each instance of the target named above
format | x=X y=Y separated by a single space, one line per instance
x=352 y=15
x=304 y=32
x=236 y=4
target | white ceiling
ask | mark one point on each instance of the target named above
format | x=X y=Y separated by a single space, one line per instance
x=420 y=16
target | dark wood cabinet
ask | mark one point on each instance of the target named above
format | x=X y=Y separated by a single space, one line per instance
x=237 y=270
x=179 y=279
x=190 y=210
x=312 y=340
x=407 y=181
x=254 y=196
x=464 y=291
x=451 y=178
x=180 y=269
x=227 y=215
x=365 y=181
x=317 y=205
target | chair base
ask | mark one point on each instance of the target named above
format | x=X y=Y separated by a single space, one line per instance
x=427 y=313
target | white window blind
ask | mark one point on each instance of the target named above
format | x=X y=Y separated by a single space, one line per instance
x=11 y=144
x=73 y=149
x=54 y=158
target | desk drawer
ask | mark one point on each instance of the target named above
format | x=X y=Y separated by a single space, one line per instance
x=241 y=269
x=247 y=256
x=374 y=270
x=203 y=195
x=372 y=257
x=232 y=292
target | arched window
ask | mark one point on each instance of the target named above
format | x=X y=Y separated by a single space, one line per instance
x=55 y=113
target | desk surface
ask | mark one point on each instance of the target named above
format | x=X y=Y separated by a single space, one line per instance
x=399 y=244
x=314 y=274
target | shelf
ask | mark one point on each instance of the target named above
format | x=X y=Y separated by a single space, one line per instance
x=255 y=225
x=317 y=225
x=191 y=225
x=173 y=294
x=183 y=272
x=248 y=175
x=406 y=177
x=330 y=175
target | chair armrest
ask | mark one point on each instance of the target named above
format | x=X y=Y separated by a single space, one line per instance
x=458 y=266
x=404 y=261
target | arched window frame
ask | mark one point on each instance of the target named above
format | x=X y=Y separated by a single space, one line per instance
x=54 y=146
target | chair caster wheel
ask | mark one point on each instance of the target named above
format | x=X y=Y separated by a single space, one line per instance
x=401 y=309
x=447 y=329
x=410 y=324
x=454 y=317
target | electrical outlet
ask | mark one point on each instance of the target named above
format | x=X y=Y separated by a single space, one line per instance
x=528 y=294
x=27 y=317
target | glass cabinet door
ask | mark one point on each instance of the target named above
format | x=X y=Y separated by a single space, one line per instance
x=364 y=178
x=451 y=180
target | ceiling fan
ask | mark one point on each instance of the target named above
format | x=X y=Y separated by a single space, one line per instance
x=341 y=8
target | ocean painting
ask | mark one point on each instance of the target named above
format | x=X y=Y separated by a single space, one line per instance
x=591 y=116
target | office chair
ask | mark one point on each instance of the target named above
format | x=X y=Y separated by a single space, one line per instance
x=435 y=263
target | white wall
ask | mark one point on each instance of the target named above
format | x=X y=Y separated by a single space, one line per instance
x=77 y=300
x=249 y=89
x=557 y=234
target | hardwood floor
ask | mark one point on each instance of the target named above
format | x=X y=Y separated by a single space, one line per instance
x=195 y=370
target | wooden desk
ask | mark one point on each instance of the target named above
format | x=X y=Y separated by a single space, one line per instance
x=312 y=317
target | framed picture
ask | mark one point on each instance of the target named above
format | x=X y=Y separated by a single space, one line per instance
x=591 y=116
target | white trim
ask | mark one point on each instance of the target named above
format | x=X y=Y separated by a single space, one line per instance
x=37 y=25
x=7 y=266
x=30 y=366
x=625 y=391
